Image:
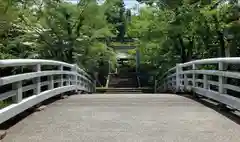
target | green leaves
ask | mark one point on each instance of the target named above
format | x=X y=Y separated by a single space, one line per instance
x=56 y=30
x=117 y=15
x=184 y=30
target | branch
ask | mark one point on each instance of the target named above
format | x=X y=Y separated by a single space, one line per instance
x=79 y=17
x=42 y=37
x=52 y=29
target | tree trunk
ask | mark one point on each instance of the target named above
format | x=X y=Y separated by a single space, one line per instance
x=183 y=51
x=70 y=54
x=222 y=44
x=190 y=48
x=69 y=31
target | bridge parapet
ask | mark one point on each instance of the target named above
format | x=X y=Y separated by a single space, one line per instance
x=215 y=78
x=34 y=81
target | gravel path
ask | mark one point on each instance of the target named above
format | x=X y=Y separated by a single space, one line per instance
x=125 y=118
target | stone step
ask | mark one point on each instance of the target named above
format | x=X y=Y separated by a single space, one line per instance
x=126 y=80
x=123 y=91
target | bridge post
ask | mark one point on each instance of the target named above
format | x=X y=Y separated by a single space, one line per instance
x=185 y=81
x=37 y=81
x=51 y=83
x=14 y=85
x=205 y=82
x=221 y=79
x=178 y=77
x=18 y=97
x=69 y=80
x=194 y=75
x=61 y=76
x=74 y=69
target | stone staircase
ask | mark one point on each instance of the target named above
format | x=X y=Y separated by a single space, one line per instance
x=124 y=82
x=123 y=91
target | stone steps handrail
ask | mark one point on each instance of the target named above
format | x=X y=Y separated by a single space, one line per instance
x=26 y=89
x=194 y=77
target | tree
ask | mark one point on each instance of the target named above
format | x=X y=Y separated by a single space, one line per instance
x=55 y=30
x=163 y=3
x=117 y=16
x=184 y=30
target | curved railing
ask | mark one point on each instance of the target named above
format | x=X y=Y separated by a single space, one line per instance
x=33 y=81
x=211 y=78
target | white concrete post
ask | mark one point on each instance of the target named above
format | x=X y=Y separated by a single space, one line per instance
x=178 y=78
x=51 y=82
x=69 y=77
x=78 y=81
x=205 y=81
x=85 y=84
x=95 y=85
x=221 y=79
x=38 y=80
x=74 y=69
x=193 y=76
x=18 y=87
x=89 y=88
x=61 y=76
x=185 y=81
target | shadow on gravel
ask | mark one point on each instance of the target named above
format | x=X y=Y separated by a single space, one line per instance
x=223 y=110
x=11 y=122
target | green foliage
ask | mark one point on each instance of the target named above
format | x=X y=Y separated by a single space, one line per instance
x=118 y=16
x=168 y=32
x=184 y=30
x=5 y=103
x=55 y=29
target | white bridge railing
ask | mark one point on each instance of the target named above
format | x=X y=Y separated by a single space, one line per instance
x=208 y=77
x=34 y=81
